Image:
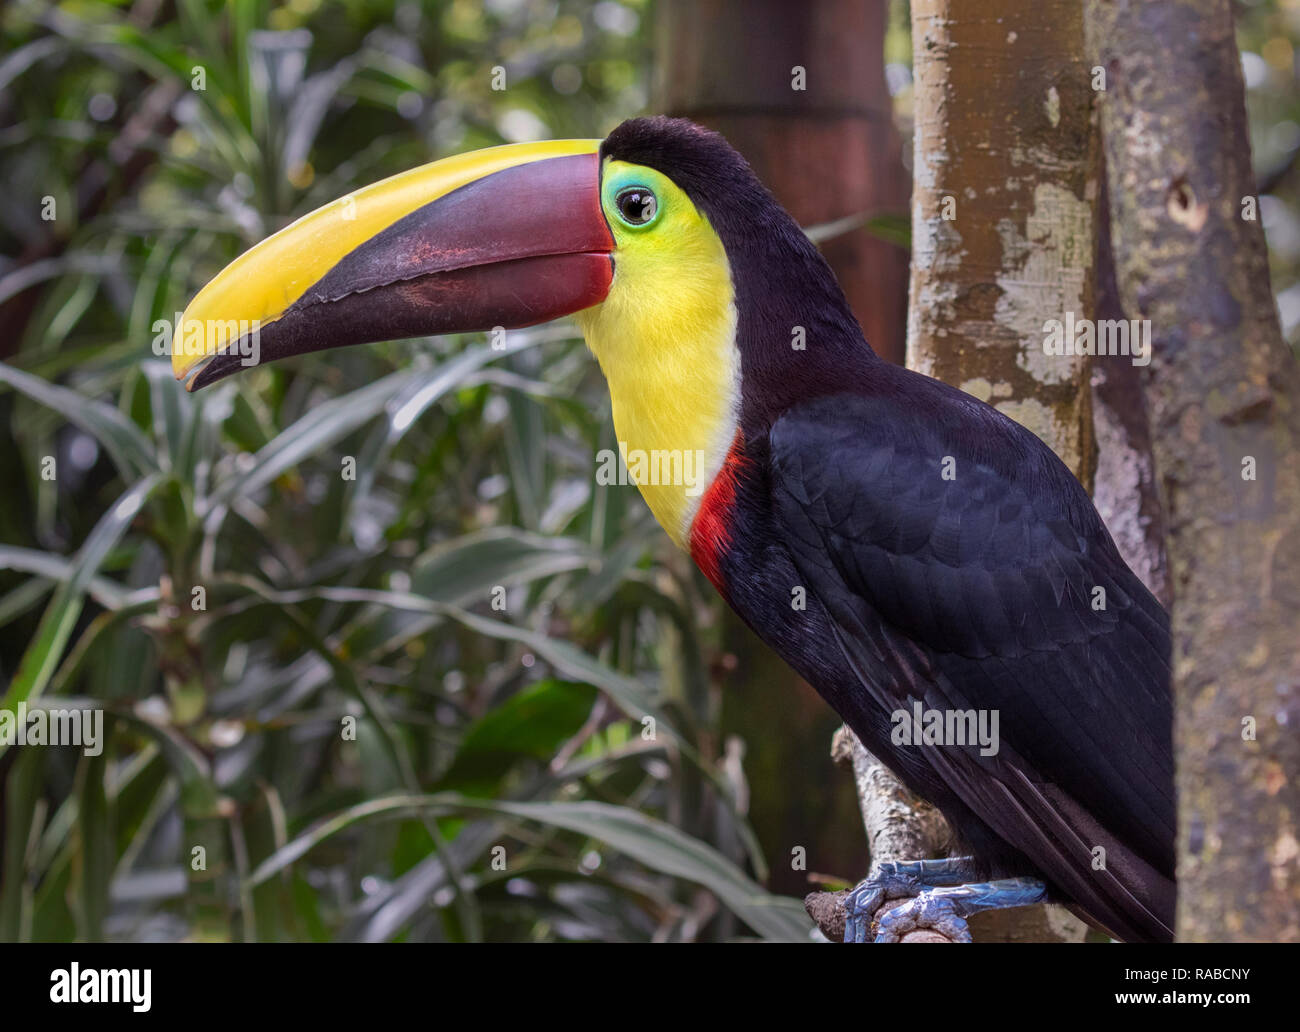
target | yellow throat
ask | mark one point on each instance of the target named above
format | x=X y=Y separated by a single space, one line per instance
x=665 y=340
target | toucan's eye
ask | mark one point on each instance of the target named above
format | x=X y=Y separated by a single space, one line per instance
x=637 y=205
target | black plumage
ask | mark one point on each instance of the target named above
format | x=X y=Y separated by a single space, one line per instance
x=975 y=592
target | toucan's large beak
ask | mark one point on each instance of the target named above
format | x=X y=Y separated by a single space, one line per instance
x=509 y=236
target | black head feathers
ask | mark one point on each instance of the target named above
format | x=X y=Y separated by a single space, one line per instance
x=781 y=281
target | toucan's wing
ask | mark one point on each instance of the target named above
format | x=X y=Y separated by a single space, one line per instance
x=963 y=565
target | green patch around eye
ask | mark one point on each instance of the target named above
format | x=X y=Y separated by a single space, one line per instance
x=636 y=206
x=635 y=197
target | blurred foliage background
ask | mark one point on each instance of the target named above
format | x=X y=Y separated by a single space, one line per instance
x=1268 y=33
x=202 y=567
x=503 y=782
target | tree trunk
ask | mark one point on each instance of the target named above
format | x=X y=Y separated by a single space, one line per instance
x=1002 y=210
x=1224 y=402
x=1003 y=233
x=1126 y=493
x=827 y=151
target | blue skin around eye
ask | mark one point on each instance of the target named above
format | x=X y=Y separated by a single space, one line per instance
x=617 y=185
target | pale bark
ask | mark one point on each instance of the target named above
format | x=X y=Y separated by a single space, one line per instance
x=1004 y=148
x=1223 y=394
x=1126 y=492
x=902 y=826
x=1003 y=235
x=899 y=826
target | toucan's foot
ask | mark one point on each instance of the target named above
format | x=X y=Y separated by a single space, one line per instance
x=929 y=910
x=944 y=910
x=903 y=879
x=867 y=896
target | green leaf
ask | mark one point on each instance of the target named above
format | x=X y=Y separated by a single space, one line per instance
x=23 y=598
x=60 y=569
x=633 y=698
x=318 y=429
x=60 y=617
x=651 y=842
x=126 y=445
x=534 y=723
x=630 y=696
x=192 y=770
x=891 y=227
x=96 y=833
x=173 y=415
x=662 y=847
x=326 y=423
x=414 y=399
x=25 y=56
x=467 y=568
x=23 y=789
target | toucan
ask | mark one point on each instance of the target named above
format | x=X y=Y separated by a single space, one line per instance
x=927 y=564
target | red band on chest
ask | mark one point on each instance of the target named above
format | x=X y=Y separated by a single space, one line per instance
x=711 y=528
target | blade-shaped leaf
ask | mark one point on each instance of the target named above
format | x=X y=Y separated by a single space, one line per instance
x=122 y=439
x=42 y=655
x=406 y=406
x=320 y=427
x=468 y=567
x=535 y=722
x=58 y=568
x=651 y=842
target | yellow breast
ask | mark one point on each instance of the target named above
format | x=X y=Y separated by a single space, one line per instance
x=665 y=340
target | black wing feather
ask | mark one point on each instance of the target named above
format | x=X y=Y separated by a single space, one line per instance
x=977 y=592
